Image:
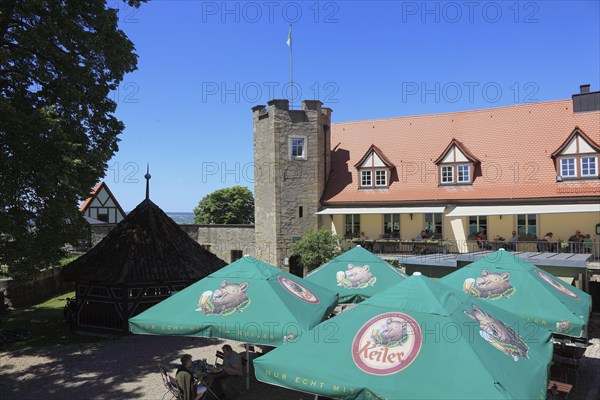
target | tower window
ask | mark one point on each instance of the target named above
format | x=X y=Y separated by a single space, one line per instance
x=300 y=212
x=298 y=148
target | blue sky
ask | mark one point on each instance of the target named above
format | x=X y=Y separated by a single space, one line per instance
x=203 y=65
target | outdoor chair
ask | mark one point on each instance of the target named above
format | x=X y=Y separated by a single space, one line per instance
x=170 y=384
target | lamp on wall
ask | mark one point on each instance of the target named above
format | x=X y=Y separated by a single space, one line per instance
x=410 y=216
x=559 y=178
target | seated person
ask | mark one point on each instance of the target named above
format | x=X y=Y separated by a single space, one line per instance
x=185 y=380
x=232 y=370
x=576 y=242
x=512 y=242
x=422 y=235
x=364 y=243
x=481 y=241
x=550 y=244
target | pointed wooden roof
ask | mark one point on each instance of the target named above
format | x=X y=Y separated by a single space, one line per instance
x=147 y=246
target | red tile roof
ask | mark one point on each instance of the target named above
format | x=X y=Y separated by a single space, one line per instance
x=84 y=206
x=514 y=145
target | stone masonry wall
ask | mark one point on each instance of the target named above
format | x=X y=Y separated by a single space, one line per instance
x=223 y=239
x=265 y=173
x=294 y=183
x=219 y=239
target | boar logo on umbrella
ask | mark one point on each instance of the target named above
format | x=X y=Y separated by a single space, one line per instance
x=298 y=290
x=556 y=285
x=387 y=344
x=489 y=285
x=356 y=276
x=231 y=297
x=499 y=335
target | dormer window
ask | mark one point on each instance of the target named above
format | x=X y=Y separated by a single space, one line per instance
x=463 y=175
x=577 y=157
x=589 y=166
x=381 y=178
x=456 y=165
x=374 y=169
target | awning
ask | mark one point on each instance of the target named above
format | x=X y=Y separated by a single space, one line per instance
x=381 y=210
x=464 y=211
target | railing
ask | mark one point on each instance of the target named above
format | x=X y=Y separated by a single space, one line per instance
x=429 y=246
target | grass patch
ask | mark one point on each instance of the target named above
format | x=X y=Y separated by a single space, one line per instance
x=65 y=260
x=46 y=324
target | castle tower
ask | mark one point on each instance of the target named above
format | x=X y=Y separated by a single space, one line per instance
x=292 y=160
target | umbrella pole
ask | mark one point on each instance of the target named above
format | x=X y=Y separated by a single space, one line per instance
x=247 y=366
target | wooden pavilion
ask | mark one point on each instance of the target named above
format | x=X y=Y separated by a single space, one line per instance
x=142 y=261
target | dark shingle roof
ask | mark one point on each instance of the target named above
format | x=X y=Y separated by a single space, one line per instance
x=147 y=246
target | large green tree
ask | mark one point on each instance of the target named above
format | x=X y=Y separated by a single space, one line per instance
x=234 y=205
x=59 y=60
x=316 y=248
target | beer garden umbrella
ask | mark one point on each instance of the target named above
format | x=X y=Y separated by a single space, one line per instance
x=248 y=300
x=504 y=280
x=356 y=275
x=417 y=340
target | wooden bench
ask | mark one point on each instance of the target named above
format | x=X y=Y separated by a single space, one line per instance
x=560 y=387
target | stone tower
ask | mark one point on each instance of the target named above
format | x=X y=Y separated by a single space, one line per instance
x=292 y=160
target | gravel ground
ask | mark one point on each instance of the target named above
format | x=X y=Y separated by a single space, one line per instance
x=127 y=368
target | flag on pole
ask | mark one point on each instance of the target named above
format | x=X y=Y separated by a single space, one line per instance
x=289 y=40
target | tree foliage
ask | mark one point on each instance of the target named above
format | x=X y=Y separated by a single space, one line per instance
x=316 y=248
x=59 y=60
x=234 y=205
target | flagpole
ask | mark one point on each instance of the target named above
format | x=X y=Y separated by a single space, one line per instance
x=291 y=71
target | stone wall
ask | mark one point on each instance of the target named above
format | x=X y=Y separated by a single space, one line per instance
x=99 y=231
x=265 y=174
x=221 y=240
x=44 y=285
x=287 y=189
x=224 y=240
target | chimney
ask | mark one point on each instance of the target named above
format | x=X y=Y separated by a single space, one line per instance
x=585 y=100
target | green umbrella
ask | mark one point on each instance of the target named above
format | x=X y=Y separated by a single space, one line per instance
x=248 y=301
x=510 y=283
x=417 y=340
x=356 y=275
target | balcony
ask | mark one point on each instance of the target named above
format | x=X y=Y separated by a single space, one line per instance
x=391 y=246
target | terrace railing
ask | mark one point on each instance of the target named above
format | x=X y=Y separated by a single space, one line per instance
x=436 y=246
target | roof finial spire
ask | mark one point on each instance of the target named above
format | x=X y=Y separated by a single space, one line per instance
x=148 y=176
